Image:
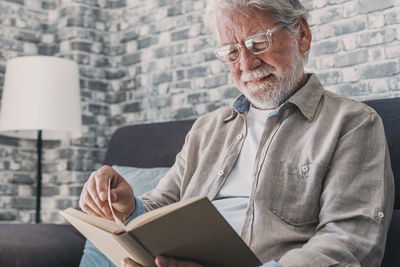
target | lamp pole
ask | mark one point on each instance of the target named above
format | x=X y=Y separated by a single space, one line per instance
x=39 y=176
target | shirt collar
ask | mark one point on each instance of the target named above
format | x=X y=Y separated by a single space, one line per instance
x=306 y=99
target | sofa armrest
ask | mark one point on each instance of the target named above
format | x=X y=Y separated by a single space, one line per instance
x=40 y=245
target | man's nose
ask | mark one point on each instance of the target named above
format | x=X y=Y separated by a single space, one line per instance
x=248 y=61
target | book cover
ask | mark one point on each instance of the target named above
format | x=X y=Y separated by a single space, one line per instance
x=190 y=230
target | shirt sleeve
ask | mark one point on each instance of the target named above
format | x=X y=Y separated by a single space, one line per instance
x=271 y=264
x=356 y=202
x=139 y=210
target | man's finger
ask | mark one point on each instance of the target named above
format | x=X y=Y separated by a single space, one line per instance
x=101 y=177
x=162 y=261
x=83 y=202
x=86 y=208
x=92 y=190
x=87 y=199
x=126 y=262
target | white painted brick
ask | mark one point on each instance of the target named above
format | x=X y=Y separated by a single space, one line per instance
x=350 y=42
x=394 y=83
x=48 y=38
x=164 y=37
x=376 y=37
x=30 y=48
x=48 y=204
x=397 y=33
x=145 y=30
x=393 y=15
x=25 y=216
x=25 y=190
x=97 y=47
x=376 y=21
x=115 y=85
x=62 y=165
x=163 y=88
x=393 y=50
x=198 y=5
x=131 y=47
x=335 y=2
x=64 y=190
x=376 y=53
x=326 y=15
x=325 y=31
x=319 y=3
x=65 y=47
x=350 y=75
x=367 y=6
x=198 y=83
x=327 y=61
x=350 y=9
x=115 y=110
x=195 y=30
x=378 y=85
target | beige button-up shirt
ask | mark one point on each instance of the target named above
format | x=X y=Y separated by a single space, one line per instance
x=322 y=192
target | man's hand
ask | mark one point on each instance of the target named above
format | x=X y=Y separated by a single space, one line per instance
x=94 y=197
x=161 y=262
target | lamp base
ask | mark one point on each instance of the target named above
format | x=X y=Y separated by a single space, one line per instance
x=39 y=176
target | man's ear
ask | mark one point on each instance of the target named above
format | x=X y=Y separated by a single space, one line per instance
x=304 y=36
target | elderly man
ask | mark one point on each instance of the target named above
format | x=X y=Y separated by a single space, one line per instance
x=302 y=174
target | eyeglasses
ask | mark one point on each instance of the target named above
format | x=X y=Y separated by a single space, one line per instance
x=257 y=43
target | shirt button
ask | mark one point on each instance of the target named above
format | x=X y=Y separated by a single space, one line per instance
x=239 y=137
x=221 y=172
x=380 y=214
x=304 y=168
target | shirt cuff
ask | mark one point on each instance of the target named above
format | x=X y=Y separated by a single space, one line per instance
x=271 y=264
x=139 y=210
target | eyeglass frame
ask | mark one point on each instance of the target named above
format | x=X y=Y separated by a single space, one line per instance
x=239 y=46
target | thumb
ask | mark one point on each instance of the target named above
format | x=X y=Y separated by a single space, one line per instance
x=121 y=196
x=166 y=261
x=114 y=195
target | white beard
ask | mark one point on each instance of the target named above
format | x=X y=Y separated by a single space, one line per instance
x=278 y=87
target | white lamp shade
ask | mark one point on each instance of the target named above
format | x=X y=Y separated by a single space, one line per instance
x=41 y=93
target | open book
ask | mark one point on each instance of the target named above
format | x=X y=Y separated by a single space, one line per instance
x=191 y=230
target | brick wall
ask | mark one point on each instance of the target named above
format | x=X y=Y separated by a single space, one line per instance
x=152 y=60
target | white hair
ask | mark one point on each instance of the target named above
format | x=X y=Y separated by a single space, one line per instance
x=284 y=12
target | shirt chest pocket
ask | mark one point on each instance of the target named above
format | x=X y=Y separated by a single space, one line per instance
x=295 y=192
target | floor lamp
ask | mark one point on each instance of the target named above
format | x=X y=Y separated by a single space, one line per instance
x=41 y=100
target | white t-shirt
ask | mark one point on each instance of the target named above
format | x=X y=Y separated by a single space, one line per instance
x=232 y=200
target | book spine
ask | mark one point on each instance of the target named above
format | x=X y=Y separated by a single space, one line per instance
x=135 y=249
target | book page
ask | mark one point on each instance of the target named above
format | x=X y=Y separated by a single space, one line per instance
x=102 y=223
x=154 y=214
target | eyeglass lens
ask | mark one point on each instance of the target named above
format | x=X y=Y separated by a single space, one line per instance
x=255 y=44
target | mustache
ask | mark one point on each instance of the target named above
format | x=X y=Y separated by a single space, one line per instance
x=260 y=72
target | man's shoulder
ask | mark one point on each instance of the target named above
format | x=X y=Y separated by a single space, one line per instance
x=346 y=112
x=344 y=104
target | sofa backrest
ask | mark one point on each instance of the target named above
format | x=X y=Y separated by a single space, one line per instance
x=389 y=110
x=147 y=145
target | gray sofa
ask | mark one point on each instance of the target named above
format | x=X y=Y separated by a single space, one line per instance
x=155 y=145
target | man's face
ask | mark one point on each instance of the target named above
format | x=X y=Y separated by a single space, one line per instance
x=269 y=78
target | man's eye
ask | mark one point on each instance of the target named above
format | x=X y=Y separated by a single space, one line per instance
x=232 y=52
x=258 y=46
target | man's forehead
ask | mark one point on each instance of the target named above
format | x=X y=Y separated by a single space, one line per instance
x=239 y=24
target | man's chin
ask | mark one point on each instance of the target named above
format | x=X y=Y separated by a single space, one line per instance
x=267 y=99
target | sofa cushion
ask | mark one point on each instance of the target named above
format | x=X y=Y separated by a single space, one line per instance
x=40 y=245
x=141 y=179
x=392 y=250
x=389 y=110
